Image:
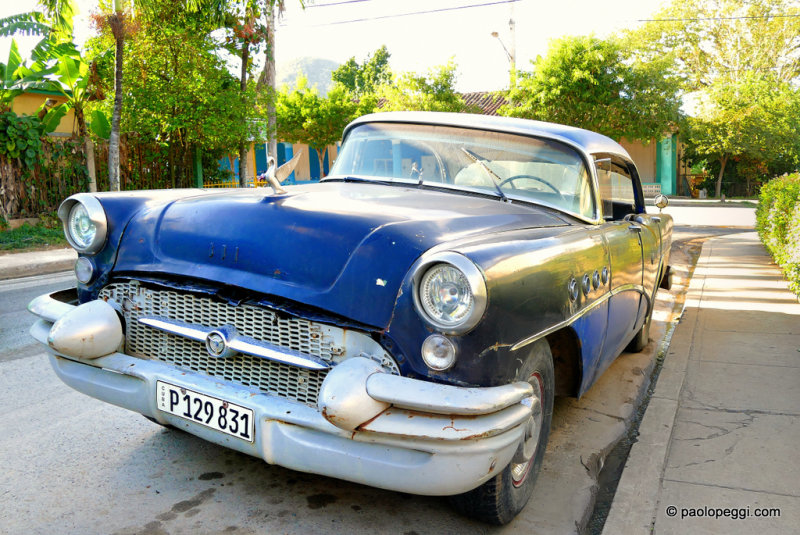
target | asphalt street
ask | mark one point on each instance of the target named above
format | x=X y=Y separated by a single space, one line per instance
x=15 y=294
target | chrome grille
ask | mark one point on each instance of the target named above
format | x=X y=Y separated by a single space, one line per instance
x=257 y=322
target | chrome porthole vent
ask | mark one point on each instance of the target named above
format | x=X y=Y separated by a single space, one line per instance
x=586 y=283
x=572 y=288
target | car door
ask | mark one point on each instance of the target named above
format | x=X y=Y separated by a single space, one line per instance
x=625 y=236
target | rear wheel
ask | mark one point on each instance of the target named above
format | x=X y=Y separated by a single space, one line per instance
x=500 y=499
x=641 y=339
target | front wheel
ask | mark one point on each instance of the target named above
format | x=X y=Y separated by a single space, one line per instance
x=500 y=499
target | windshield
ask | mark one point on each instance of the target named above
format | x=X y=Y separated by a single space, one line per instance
x=506 y=165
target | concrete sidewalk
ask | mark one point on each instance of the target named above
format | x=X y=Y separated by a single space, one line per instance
x=15 y=265
x=720 y=435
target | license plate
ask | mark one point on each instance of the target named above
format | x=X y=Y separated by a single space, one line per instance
x=218 y=414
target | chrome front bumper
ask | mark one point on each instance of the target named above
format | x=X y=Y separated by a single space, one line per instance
x=369 y=427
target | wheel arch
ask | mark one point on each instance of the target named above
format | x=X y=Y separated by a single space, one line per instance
x=565 y=346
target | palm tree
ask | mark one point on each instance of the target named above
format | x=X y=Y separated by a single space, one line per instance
x=116 y=22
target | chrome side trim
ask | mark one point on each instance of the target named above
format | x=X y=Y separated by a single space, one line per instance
x=239 y=343
x=575 y=317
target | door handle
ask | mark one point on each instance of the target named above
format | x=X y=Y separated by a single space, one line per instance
x=635 y=228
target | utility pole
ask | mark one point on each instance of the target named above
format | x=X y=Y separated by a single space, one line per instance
x=267 y=82
x=512 y=59
x=512 y=53
x=269 y=69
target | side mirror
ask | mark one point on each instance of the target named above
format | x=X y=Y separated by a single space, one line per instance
x=660 y=201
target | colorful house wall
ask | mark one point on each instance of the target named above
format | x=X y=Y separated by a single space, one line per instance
x=310 y=168
x=657 y=162
x=667 y=164
x=29 y=102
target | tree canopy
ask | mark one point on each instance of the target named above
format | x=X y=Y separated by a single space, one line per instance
x=756 y=118
x=592 y=83
x=306 y=117
x=364 y=79
x=432 y=92
x=741 y=62
x=705 y=41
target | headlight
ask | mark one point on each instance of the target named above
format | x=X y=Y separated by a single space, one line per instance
x=85 y=224
x=445 y=294
x=81 y=227
x=450 y=293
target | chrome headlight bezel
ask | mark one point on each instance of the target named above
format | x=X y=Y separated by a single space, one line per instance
x=97 y=216
x=475 y=280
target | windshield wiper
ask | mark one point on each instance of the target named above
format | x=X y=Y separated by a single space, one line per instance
x=496 y=180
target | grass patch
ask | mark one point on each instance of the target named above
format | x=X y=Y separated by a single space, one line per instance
x=29 y=237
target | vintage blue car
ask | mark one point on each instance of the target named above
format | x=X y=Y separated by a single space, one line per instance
x=405 y=323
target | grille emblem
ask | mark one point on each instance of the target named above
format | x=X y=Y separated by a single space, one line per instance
x=218 y=343
x=215 y=344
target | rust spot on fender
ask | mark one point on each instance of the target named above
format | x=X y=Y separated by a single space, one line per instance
x=494 y=347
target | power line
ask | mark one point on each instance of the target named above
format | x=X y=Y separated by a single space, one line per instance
x=338 y=3
x=409 y=14
x=744 y=17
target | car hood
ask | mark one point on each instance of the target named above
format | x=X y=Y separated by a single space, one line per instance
x=341 y=247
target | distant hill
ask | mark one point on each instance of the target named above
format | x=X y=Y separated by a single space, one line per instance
x=317 y=70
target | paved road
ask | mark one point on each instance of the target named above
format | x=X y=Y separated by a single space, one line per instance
x=710 y=214
x=15 y=294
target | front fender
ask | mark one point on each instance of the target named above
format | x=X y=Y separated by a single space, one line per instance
x=528 y=275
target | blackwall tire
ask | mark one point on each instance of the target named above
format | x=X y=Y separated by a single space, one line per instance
x=501 y=499
x=641 y=339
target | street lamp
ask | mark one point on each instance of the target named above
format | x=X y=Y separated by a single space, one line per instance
x=511 y=55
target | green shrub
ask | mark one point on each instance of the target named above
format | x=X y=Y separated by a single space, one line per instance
x=778 y=224
x=20 y=137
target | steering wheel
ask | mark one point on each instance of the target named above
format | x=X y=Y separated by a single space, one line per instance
x=536 y=178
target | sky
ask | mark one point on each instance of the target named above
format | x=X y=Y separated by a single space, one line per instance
x=421 y=34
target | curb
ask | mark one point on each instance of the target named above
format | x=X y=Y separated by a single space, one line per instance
x=633 y=510
x=17 y=265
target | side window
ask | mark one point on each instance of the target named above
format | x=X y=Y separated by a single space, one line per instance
x=616 y=189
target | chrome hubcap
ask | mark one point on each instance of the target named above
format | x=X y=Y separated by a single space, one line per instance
x=523 y=459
